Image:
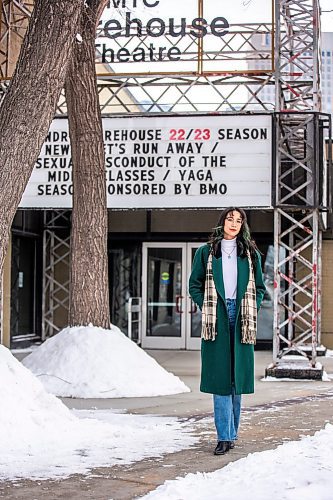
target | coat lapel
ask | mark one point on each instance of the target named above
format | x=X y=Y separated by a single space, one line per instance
x=218 y=276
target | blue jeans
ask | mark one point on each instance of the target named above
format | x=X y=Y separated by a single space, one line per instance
x=227 y=409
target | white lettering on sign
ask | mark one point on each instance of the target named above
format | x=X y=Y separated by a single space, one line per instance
x=165 y=162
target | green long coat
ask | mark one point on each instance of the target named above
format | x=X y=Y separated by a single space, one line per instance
x=216 y=355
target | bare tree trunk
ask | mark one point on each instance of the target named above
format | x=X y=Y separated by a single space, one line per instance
x=29 y=105
x=89 y=290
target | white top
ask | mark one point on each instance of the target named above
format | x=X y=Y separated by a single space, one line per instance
x=229 y=267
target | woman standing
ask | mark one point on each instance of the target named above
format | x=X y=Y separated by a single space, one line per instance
x=227 y=284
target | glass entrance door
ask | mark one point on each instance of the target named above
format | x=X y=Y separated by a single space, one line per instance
x=170 y=320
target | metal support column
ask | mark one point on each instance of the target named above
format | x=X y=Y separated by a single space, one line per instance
x=297 y=233
x=56 y=265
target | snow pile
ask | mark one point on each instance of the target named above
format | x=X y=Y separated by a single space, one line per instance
x=298 y=469
x=90 y=362
x=298 y=380
x=26 y=408
x=41 y=438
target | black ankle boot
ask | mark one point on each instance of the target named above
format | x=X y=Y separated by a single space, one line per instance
x=222 y=447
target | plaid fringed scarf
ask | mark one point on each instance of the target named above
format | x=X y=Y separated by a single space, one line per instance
x=248 y=306
x=208 y=330
x=249 y=309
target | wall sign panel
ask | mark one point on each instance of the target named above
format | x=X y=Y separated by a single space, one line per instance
x=188 y=161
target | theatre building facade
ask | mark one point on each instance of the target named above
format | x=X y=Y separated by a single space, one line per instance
x=167 y=180
x=150 y=255
x=189 y=129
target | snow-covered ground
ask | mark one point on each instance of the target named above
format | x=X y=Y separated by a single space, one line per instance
x=293 y=471
x=41 y=438
x=327 y=377
x=90 y=362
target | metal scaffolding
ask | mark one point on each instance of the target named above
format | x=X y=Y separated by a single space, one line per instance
x=302 y=188
x=56 y=271
x=14 y=19
x=231 y=78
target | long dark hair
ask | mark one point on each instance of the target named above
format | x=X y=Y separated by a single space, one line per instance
x=244 y=240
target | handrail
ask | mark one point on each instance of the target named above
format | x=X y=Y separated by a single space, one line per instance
x=134 y=306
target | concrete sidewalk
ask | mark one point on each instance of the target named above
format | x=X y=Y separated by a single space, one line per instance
x=186 y=365
x=278 y=412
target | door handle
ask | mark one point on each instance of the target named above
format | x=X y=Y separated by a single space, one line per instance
x=179 y=299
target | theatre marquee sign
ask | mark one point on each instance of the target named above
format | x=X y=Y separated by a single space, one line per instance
x=165 y=162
